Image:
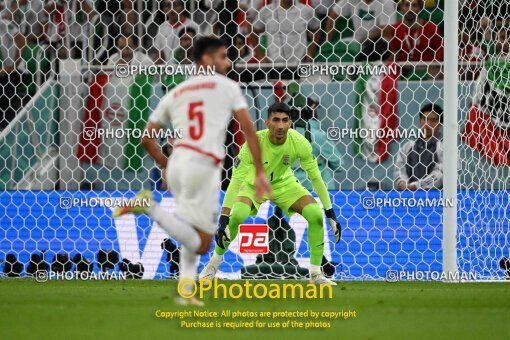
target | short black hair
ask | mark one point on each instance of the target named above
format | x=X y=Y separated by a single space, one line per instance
x=278 y=107
x=204 y=45
x=432 y=108
x=187 y=30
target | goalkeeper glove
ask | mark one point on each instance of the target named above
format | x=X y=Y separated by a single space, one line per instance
x=222 y=232
x=335 y=225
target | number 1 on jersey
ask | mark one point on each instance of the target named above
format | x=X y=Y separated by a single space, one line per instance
x=196 y=129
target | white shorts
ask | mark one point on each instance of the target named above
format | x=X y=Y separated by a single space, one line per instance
x=194 y=180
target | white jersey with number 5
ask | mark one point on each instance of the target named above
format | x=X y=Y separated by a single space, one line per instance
x=202 y=107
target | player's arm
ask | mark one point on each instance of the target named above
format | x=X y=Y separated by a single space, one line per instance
x=152 y=146
x=245 y=161
x=309 y=164
x=241 y=114
x=261 y=183
x=242 y=165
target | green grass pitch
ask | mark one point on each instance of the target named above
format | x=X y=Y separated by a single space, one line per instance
x=126 y=310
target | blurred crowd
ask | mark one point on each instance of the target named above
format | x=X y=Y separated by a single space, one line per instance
x=36 y=33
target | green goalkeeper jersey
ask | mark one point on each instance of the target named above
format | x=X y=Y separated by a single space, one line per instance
x=277 y=161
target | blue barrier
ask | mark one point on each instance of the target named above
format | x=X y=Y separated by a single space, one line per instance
x=377 y=235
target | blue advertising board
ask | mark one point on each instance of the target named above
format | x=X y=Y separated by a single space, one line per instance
x=384 y=230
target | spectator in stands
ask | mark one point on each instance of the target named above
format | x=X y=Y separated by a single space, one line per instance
x=497 y=42
x=370 y=18
x=118 y=17
x=8 y=49
x=469 y=51
x=251 y=8
x=503 y=41
x=29 y=17
x=206 y=14
x=322 y=7
x=18 y=27
x=287 y=26
x=244 y=51
x=182 y=55
x=419 y=163
x=151 y=29
x=167 y=39
x=479 y=21
x=226 y=26
x=414 y=39
x=127 y=54
x=472 y=19
x=478 y=16
x=485 y=24
x=67 y=27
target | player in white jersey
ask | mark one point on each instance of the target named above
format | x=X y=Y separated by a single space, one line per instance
x=202 y=107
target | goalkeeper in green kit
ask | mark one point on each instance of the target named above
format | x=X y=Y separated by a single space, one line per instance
x=281 y=146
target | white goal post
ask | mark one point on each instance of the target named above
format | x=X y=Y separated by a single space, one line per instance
x=451 y=131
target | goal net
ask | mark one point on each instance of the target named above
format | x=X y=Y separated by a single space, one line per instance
x=483 y=208
x=365 y=83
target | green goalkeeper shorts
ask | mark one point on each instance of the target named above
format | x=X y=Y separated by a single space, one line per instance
x=285 y=194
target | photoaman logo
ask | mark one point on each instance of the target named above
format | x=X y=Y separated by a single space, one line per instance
x=188 y=288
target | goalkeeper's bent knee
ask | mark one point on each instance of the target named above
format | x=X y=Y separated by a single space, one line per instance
x=240 y=212
x=313 y=215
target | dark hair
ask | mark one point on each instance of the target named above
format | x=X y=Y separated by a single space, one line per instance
x=187 y=30
x=278 y=107
x=206 y=45
x=432 y=108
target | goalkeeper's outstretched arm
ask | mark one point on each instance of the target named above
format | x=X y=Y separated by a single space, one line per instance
x=309 y=164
